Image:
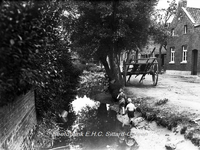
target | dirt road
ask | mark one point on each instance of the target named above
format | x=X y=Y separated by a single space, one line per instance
x=182 y=92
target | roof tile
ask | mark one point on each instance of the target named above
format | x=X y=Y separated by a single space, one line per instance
x=195 y=14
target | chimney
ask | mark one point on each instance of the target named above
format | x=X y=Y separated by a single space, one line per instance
x=182 y=3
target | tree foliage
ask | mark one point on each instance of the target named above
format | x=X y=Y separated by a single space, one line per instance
x=92 y=83
x=159 y=29
x=160 y=22
x=104 y=29
x=34 y=53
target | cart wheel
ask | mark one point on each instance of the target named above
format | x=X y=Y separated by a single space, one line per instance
x=155 y=74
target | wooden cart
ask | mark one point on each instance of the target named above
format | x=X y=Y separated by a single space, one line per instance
x=141 y=67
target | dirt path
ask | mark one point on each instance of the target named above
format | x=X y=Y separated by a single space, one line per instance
x=183 y=92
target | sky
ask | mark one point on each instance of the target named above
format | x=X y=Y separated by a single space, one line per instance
x=190 y=3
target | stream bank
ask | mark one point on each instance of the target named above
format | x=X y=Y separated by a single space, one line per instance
x=169 y=117
x=149 y=132
x=104 y=126
x=98 y=126
x=169 y=104
x=177 y=123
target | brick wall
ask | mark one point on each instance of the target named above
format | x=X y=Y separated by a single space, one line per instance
x=191 y=39
x=17 y=120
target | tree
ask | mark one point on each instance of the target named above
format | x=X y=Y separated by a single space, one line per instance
x=35 y=54
x=105 y=29
x=159 y=26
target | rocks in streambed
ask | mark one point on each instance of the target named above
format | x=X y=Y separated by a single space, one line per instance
x=130 y=141
x=183 y=130
x=178 y=123
x=173 y=144
x=123 y=119
x=137 y=121
x=197 y=121
x=150 y=116
x=194 y=135
x=170 y=146
x=163 y=122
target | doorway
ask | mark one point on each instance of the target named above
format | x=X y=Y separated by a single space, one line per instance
x=194 y=62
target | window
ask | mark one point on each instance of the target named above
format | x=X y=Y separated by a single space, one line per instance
x=185 y=29
x=172 y=50
x=172 y=32
x=184 y=55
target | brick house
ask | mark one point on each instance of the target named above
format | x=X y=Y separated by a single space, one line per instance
x=183 y=49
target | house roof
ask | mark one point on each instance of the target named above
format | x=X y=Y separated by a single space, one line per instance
x=149 y=48
x=193 y=14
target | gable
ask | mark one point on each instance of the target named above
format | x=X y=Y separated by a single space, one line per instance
x=192 y=15
x=188 y=15
x=195 y=14
x=182 y=16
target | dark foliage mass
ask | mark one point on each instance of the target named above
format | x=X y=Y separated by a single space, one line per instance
x=105 y=29
x=34 y=53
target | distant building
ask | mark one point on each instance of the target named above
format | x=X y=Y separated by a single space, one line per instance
x=147 y=52
x=183 y=56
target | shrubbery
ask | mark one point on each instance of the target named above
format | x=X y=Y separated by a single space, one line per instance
x=34 y=53
x=92 y=83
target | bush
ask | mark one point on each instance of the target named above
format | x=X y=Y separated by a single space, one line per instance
x=34 y=54
x=92 y=83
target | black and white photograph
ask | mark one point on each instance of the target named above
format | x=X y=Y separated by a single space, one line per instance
x=100 y=75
